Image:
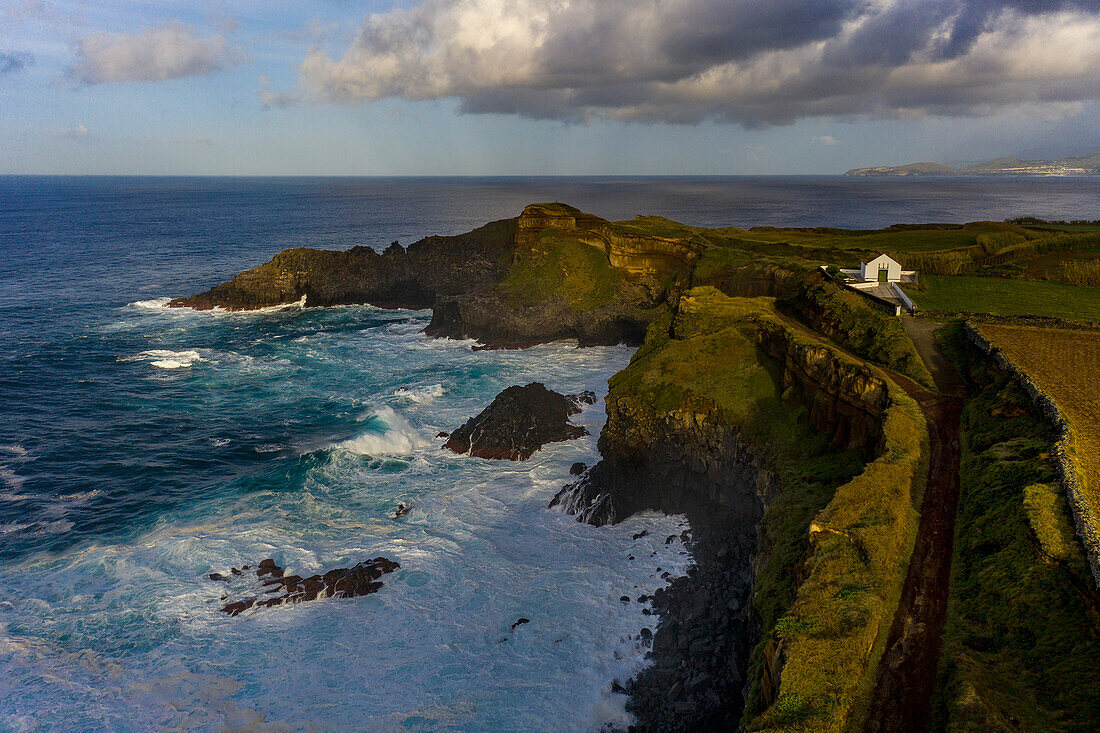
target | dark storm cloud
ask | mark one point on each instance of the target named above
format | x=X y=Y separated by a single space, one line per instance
x=741 y=61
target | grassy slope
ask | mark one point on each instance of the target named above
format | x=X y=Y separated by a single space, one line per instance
x=1021 y=644
x=563 y=267
x=1066 y=365
x=828 y=606
x=863 y=330
x=1004 y=297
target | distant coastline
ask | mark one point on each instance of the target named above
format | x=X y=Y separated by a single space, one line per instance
x=1080 y=165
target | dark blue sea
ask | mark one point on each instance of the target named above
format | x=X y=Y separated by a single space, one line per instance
x=142 y=448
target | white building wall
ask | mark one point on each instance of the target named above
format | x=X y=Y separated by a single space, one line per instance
x=869 y=270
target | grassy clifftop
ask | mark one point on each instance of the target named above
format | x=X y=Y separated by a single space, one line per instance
x=836 y=535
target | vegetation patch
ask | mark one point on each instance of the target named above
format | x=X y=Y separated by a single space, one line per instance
x=834 y=558
x=1020 y=643
x=1046 y=512
x=558 y=266
x=1007 y=297
x=1066 y=365
x=833 y=633
x=860 y=328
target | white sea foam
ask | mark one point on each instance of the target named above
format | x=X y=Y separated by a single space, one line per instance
x=162 y=303
x=166 y=359
x=392 y=435
x=154 y=303
x=14 y=449
x=421 y=395
x=479 y=550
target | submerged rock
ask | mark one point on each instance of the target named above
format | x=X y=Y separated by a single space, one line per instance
x=338 y=583
x=519 y=422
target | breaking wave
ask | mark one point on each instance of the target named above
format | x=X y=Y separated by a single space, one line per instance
x=165 y=359
x=421 y=395
x=391 y=435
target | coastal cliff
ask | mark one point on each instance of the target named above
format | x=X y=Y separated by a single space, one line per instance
x=799 y=468
x=399 y=277
x=552 y=273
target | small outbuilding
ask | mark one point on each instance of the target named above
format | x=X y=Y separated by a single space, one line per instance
x=882 y=269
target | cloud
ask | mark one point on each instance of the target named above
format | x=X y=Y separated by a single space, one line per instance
x=154 y=54
x=80 y=133
x=827 y=140
x=13 y=62
x=742 y=61
x=281 y=100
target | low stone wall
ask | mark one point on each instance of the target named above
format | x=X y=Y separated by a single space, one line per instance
x=1088 y=528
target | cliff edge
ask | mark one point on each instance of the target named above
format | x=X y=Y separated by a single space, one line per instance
x=799 y=468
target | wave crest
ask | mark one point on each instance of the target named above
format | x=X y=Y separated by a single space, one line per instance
x=392 y=435
x=165 y=359
x=421 y=395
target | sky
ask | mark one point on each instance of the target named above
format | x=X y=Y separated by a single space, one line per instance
x=541 y=87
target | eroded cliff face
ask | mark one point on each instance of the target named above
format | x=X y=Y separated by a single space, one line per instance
x=698 y=459
x=508 y=284
x=396 y=278
x=498 y=321
x=638 y=254
x=844 y=400
x=667 y=459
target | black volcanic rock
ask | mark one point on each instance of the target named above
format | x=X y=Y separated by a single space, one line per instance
x=338 y=583
x=396 y=278
x=519 y=422
x=463 y=279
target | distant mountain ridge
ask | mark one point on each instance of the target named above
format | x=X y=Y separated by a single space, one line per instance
x=1078 y=165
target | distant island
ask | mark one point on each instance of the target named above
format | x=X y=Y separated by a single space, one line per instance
x=1080 y=165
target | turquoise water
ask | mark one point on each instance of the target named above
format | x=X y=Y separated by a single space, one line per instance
x=142 y=448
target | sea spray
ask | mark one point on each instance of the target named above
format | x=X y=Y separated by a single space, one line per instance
x=389 y=434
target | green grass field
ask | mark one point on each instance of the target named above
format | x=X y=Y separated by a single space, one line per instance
x=1004 y=297
x=1020 y=645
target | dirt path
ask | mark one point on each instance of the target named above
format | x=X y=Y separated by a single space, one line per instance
x=921 y=331
x=902 y=697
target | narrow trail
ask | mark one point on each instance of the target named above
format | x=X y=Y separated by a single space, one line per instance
x=902 y=698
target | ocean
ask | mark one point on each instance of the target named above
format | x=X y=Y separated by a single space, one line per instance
x=142 y=448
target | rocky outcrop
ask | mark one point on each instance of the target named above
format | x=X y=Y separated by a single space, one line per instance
x=500 y=322
x=637 y=253
x=461 y=278
x=519 y=422
x=397 y=278
x=753 y=281
x=280 y=588
x=845 y=400
x=670 y=460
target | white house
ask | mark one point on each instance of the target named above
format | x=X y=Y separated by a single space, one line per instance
x=880 y=280
x=882 y=269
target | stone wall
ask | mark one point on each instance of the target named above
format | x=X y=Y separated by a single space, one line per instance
x=1088 y=528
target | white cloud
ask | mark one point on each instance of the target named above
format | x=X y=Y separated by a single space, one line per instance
x=154 y=54
x=730 y=60
x=827 y=140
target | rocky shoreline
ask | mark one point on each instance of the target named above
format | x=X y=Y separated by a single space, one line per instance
x=675 y=440
x=695 y=681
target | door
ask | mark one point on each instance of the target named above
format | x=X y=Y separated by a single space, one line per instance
x=883 y=274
